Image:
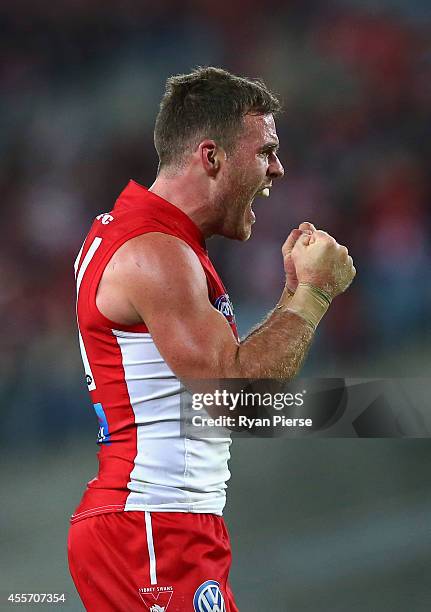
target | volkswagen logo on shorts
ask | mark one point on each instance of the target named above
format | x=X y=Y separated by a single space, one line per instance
x=208 y=598
x=224 y=305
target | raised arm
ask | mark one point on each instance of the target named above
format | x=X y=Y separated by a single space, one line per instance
x=158 y=279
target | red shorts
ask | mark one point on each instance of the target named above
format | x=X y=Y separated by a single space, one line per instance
x=156 y=561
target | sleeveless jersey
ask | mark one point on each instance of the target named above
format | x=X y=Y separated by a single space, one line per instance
x=145 y=462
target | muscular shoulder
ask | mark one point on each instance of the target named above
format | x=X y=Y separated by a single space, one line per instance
x=149 y=272
x=157 y=257
x=158 y=279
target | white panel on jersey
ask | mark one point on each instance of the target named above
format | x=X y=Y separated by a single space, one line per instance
x=91 y=383
x=171 y=472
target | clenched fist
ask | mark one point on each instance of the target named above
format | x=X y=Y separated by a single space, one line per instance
x=289 y=266
x=320 y=261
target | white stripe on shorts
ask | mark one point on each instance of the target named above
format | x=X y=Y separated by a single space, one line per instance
x=151 y=553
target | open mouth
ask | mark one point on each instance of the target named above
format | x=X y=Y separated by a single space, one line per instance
x=264 y=192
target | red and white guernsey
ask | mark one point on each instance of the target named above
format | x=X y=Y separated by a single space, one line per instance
x=145 y=463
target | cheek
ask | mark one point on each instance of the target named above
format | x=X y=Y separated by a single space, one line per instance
x=259 y=166
x=253 y=173
x=244 y=178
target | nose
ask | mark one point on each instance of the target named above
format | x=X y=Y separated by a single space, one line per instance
x=275 y=168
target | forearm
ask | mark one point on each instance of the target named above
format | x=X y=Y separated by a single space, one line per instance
x=286 y=296
x=277 y=348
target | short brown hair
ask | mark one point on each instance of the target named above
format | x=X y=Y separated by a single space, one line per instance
x=207 y=103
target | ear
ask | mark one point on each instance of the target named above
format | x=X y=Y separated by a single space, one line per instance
x=211 y=156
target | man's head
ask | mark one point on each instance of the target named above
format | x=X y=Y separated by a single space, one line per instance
x=220 y=128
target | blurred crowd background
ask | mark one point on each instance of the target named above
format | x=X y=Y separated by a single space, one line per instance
x=80 y=84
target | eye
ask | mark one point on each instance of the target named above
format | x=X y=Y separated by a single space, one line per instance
x=270 y=152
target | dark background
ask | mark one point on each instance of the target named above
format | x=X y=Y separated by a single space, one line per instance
x=316 y=525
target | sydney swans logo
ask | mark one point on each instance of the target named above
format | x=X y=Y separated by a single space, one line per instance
x=156 y=598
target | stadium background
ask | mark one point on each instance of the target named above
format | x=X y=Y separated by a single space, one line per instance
x=316 y=525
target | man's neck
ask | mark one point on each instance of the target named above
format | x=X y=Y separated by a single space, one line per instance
x=186 y=195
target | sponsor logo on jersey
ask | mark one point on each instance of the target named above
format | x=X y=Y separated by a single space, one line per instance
x=209 y=598
x=156 y=598
x=224 y=305
x=105 y=218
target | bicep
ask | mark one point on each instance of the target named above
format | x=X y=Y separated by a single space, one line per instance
x=168 y=289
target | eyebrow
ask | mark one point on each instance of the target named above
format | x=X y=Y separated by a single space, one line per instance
x=269 y=145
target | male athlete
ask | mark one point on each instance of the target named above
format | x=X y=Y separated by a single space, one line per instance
x=152 y=311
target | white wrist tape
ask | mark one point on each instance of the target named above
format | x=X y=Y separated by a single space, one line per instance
x=309 y=302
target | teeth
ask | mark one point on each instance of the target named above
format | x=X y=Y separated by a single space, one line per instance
x=264 y=192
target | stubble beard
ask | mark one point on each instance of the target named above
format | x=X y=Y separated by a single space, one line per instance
x=233 y=206
x=236 y=208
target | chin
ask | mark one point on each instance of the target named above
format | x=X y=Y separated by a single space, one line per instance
x=243 y=233
x=246 y=235
x=240 y=231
